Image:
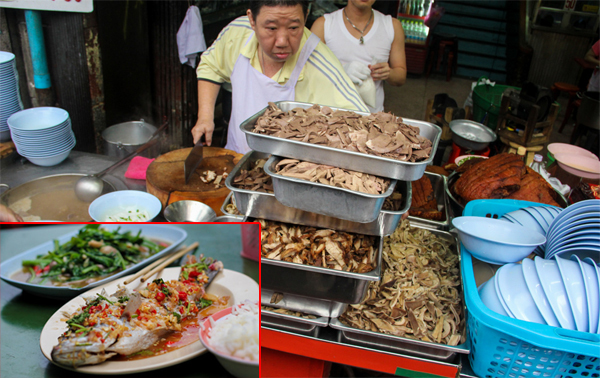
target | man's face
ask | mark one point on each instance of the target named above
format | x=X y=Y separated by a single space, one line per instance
x=279 y=30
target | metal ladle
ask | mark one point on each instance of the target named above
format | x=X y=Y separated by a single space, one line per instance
x=90 y=187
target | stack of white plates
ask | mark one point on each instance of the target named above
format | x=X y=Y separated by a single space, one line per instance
x=10 y=99
x=43 y=135
x=536 y=218
x=575 y=231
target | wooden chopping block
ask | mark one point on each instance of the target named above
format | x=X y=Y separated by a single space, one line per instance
x=6 y=148
x=165 y=177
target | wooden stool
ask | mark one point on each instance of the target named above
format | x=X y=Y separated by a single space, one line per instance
x=533 y=134
x=559 y=87
x=514 y=148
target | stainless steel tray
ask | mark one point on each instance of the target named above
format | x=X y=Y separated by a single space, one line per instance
x=317 y=282
x=310 y=327
x=378 y=340
x=326 y=199
x=356 y=161
x=265 y=206
x=439 y=184
x=319 y=307
x=229 y=199
x=397 y=344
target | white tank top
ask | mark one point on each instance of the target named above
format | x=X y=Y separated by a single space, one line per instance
x=376 y=49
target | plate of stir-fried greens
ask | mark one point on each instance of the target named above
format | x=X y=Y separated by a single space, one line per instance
x=92 y=256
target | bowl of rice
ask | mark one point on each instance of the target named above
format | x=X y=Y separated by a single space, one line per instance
x=232 y=336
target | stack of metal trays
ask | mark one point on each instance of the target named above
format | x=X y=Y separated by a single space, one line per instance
x=326 y=199
x=439 y=184
x=292 y=323
x=266 y=206
x=398 y=344
x=355 y=161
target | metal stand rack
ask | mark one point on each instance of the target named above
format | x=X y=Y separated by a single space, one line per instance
x=292 y=355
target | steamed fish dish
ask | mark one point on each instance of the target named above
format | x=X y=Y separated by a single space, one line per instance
x=130 y=322
x=92 y=254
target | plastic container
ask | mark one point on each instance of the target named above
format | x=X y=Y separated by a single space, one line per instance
x=505 y=347
x=538 y=163
x=486 y=102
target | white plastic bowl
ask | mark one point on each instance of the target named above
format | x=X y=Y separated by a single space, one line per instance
x=526 y=219
x=496 y=241
x=592 y=292
x=50 y=160
x=235 y=366
x=515 y=293
x=537 y=292
x=555 y=291
x=40 y=118
x=489 y=297
x=113 y=203
x=592 y=263
x=575 y=286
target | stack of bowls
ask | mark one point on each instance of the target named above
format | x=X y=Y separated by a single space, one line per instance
x=10 y=99
x=559 y=292
x=575 y=160
x=576 y=230
x=535 y=218
x=43 y=135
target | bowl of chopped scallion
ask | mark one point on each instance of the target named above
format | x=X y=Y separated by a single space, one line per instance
x=125 y=206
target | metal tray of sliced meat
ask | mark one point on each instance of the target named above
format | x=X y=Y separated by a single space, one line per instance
x=325 y=199
x=353 y=159
x=438 y=184
x=319 y=282
x=264 y=205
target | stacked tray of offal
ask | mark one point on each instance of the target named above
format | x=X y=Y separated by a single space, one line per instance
x=336 y=182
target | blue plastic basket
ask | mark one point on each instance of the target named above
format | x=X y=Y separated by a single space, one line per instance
x=506 y=347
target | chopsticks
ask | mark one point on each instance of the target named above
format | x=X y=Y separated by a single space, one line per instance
x=159 y=264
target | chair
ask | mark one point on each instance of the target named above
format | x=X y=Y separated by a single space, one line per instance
x=443 y=49
x=574 y=102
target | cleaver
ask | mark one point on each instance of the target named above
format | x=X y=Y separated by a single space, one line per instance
x=192 y=161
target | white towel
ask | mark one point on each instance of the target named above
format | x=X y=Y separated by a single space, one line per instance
x=190 y=37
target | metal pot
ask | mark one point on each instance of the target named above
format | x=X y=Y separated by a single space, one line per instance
x=123 y=138
x=471 y=135
x=589 y=110
x=51 y=198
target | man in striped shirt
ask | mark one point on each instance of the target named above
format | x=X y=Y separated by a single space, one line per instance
x=269 y=55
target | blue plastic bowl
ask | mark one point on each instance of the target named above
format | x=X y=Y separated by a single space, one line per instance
x=496 y=241
x=117 y=206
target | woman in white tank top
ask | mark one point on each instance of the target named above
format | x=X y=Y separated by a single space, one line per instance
x=372 y=40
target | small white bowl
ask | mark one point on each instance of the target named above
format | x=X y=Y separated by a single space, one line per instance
x=496 y=241
x=125 y=202
x=235 y=366
x=40 y=118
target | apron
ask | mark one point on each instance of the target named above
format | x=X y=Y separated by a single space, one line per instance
x=252 y=90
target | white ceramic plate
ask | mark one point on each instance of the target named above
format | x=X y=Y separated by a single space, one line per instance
x=166 y=233
x=236 y=285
